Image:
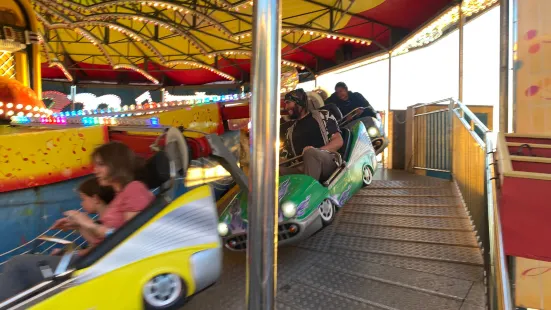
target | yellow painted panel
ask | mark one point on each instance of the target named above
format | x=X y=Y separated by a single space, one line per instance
x=204 y=118
x=533 y=79
x=533 y=283
x=34 y=158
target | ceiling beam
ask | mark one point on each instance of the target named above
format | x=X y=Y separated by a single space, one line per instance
x=323 y=5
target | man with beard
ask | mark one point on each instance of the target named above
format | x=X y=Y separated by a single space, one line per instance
x=313 y=134
x=347 y=101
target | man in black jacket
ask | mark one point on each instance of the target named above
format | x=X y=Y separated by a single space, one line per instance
x=347 y=101
x=314 y=134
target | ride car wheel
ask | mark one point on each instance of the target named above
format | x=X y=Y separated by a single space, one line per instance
x=367 y=175
x=327 y=212
x=165 y=291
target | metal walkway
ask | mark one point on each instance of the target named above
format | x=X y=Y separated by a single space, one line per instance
x=403 y=243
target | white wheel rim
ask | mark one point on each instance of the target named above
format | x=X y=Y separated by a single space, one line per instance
x=162 y=290
x=326 y=210
x=367 y=175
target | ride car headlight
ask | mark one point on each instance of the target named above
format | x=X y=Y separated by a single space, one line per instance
x=223 y=229
x=373 y=131
x=289 y=209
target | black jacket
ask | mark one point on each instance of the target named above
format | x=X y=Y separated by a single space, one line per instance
x=355 y=100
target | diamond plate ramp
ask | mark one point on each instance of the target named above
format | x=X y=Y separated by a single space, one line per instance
x=424 y=282
x=409 y=201
x=374 y=292
x=407 y=192
x=406 y=245
x=404 y=221
x=462 y=238
x=229 y=291
x=439 y=252
x=306 y=297
x=457 y=212
x=449 y=269
x=321 y=241
x=433 y=184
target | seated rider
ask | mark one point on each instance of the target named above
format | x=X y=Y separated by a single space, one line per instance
x=114 y=167
x=314 y=134
x=94 y=199
x=347 y=100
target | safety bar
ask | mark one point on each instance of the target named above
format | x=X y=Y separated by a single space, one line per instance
x=54 y=240
x=68 y=245
x=290 y=160
x=355 y=113
x=226 y=158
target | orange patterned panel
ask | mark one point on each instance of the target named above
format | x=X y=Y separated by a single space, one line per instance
x=30 y=159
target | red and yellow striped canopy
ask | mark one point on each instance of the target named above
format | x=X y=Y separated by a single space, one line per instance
x=202 y=41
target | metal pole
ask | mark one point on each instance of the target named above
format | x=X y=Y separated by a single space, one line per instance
x=73 y=96
x=264 y=173
x=387 y=118
x=461 y=25
x=504 y=67
x=451 y=106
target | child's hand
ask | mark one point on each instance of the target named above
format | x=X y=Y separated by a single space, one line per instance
x=78 y=219
x=63 y=224
x=56 y=252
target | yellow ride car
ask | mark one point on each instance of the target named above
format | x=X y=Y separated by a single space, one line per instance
x=157 y=260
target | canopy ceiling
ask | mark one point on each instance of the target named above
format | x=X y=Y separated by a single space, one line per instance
x=202 y=41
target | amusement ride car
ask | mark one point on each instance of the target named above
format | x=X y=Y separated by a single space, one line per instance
x=164 y=274
x=307 y=205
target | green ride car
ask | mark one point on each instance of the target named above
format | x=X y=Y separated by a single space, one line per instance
x=305 y=204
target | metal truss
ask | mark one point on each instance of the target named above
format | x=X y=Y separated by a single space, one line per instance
x=191 y=33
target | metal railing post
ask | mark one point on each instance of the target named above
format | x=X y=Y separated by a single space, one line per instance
x=450 y=135
x=387 y=118
x=461 y=26
x=499 y=287
x=264 y=172
x=489 y=254
x=504 y=67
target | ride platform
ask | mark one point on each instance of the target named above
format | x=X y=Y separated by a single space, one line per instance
x=405 y=242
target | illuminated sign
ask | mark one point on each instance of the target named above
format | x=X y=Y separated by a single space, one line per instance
x=201 y=97
x=85 y=121
x=92 y=102
x=144 y=97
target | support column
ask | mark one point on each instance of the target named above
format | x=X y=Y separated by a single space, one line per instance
x=387 y=152
x=461 y=26
x=504 y=66
x=73 y=96
x=264 y=173
x=389 y=80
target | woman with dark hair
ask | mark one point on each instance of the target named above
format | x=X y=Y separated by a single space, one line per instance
x=114 y=168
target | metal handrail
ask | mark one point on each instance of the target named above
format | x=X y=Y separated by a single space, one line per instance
x=471 y=115
x=498 y=265
x=420 y=105
x=503 y=296
x=480 y=142
x=499 y=293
